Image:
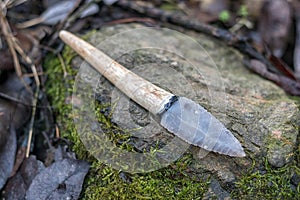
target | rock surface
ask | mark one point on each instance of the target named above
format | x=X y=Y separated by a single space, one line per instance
x=257 y=112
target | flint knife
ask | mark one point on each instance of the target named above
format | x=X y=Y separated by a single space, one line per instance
x=179 y=115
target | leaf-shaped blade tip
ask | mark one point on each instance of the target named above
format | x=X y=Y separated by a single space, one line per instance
x=227 y=144
x=195 y=125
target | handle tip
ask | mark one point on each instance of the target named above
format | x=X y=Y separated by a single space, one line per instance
x=63 y=34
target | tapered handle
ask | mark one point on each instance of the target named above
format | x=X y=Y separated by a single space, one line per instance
x=138 y=89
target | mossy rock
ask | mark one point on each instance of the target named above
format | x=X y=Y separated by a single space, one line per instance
x=259 y=114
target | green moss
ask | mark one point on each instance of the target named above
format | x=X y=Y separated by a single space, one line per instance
x=103 y=182
x=268 y=184
x=59 y=89
x=168 y=183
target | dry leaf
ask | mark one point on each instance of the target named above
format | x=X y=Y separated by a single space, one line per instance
x=58 y=12
x=61 y=180
x=12 y=117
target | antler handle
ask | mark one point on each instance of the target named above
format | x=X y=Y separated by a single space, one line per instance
x=138 y=89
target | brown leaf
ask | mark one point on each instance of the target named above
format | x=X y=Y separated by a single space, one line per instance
x=282 y=66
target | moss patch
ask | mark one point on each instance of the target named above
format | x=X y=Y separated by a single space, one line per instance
x=268 y=184
x=168 y=183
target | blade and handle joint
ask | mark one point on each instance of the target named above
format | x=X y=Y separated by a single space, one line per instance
x=168 y=105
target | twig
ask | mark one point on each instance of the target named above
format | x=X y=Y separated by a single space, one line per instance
x=231 y=39
x=35 y=100
x=57 y=133
x=14 y=46
x=132 y=19
x=289 y=85
x=12 y=3
x=10 y=98
x=6 y=30
x=32 y=75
